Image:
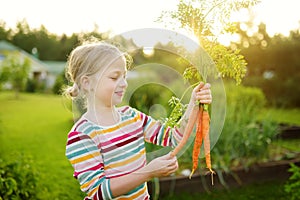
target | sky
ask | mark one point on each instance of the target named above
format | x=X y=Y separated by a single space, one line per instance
x=117 y=16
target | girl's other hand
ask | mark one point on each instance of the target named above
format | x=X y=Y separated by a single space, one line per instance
x=202 y=93
x=162 y=166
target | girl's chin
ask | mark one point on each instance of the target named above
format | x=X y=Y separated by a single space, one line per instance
x=117 y=101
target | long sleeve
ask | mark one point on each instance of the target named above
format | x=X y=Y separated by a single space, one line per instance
x=158 y=133
x=99 y=154
x=87 y=162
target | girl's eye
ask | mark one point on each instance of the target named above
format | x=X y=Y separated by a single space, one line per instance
x=114 y=78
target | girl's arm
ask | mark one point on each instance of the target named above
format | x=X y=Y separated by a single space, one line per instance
x=88 y=166
x=202 y=94
x=159 y=134
x=161 y=166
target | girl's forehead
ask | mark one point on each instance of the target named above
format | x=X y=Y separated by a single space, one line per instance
x=118 y=65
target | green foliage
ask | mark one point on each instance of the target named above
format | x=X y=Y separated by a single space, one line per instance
x=273 y=64
x=58 y=85
x=48 y=45
x=38 y=126
x=33 y=85
x=196 y=17
x=283 y=116
x=60 y=82
x=230 y=63
x=292 y=186
x=15 y=70
x=18 y=179
x=148 y=95
x=4 y=31
x=201 y=19
x=191 y=73
x=244 y=139
x=177 y=112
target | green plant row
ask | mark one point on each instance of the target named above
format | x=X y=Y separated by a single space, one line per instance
x=244 y=139
x=18 y=179
x=292 y=186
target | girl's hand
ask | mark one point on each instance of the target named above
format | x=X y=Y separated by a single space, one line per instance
x=202 y=93
x=162 y=166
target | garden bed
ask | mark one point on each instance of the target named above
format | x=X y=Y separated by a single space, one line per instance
x=289 y=131
x=275 y=170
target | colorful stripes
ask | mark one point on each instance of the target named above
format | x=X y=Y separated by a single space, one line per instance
x=98 y=154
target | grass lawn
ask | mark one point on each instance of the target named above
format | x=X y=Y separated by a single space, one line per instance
x=37 y=126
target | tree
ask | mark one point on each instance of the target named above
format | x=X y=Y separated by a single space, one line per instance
x=4 y=34
x=14 y=69
x=273 y=64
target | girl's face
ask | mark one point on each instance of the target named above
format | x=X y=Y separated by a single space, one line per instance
x=111 y=84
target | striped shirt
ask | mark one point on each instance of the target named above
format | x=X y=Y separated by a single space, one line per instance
x=99 y=153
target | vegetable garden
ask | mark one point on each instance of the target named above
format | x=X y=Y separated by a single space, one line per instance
x=33 y=128
x=33 y=136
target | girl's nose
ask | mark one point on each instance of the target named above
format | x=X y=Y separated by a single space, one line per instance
x=123 y=82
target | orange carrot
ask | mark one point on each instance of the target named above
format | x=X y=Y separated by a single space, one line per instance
x=187 y=131
x=205 y=130
x=198 y=141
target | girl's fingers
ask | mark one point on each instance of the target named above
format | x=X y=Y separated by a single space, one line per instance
x=204 y=92
x=200 y=90
x=207 y=85
x=199 y=87
x=206 y=101
x=203 y=95
x=205 y=89
x=172 y=167
x=205 y=98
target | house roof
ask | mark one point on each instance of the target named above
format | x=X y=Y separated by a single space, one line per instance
x=6 y=46
x=55 y=67
x=36 y=64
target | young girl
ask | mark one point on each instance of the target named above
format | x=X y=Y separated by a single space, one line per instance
x=106 y=146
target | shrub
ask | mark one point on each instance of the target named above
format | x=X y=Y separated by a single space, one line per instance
x=18 y=179
x=292 y=186
x=31 y=85
x=244 y=139
x=58 y=85
x=60 y=82
x=34 y=85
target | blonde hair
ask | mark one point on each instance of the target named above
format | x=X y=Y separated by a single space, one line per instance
x=86 y=60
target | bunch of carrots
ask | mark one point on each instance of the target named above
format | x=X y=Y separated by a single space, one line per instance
x=199 y=117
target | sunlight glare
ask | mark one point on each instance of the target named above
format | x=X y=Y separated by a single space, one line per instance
x=243 y=27
x=148 y=51
x=280 y=16
x=69 y=17
x=227 y=38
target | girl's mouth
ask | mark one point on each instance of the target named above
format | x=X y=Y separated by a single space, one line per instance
x=120 y=93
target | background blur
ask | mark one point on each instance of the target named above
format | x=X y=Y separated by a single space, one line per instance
x=257 y=42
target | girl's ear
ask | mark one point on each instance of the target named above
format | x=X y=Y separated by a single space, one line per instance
x=85 y=83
